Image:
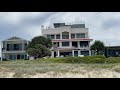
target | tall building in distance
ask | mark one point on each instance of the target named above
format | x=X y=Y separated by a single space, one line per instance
x=68 y=40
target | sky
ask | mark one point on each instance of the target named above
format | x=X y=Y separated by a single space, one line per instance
x=104 y=26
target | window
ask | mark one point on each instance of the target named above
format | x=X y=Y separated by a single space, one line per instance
x=72 y=35
x=58 y=44
x=65 y=35
x=22 y=56
x=84 y=43
x=51 y=36
x=65 y=43
x=85 y=53
x=58 y=36
x=48 y=36
x=80 y=35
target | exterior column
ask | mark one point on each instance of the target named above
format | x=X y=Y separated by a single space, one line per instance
x=89 y=44
x=79 y=52
x=70 y=44
x=60 y=35
x=5 y=46
x=60 y=44
x=89 y=52
x=73 y=53
x=52 y=56
x=27 y=53
x=69 y=35
x=16 y=56
x=58 y=53
x=22 y=45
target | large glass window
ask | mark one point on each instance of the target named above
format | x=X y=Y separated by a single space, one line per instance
x=72 y=35
x=65 y=43
x=85 y=53
x=75 y=53
x=22 y=56
x=58 y=36
x=48 y=36
x=65 y=35
x=51 y=36
x=84 y=43
x=80 y=35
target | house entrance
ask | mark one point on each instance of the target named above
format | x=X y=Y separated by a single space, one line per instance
x=18 y=56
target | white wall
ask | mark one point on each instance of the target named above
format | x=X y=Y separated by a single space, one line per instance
x=63 y=29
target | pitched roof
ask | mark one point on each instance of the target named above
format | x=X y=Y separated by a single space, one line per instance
x=14 y=38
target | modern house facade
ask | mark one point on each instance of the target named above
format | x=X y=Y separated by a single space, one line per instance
x=112 y=51
x=14 y=48
x=68 y=40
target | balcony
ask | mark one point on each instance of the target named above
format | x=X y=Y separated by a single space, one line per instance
x=12 y=51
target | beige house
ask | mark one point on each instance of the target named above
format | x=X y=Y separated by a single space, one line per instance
x=14 y=48
x=68 y=40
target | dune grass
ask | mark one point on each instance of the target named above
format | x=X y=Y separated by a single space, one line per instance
x=46 y=69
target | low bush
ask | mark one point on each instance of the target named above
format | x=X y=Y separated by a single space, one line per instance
x=54 y=60
x=113 y=60
x=73 y=60
x=86 y=59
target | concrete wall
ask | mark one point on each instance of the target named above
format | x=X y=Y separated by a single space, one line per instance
x=65 y=29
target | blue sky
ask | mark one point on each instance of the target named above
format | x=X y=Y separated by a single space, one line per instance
x=104 y=26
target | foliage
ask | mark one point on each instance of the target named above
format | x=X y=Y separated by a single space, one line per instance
x=39 y=47
x=98 y=46
x=113 y=60
x=86 y=59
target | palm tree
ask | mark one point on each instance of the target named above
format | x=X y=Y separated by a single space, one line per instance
x=98 y=46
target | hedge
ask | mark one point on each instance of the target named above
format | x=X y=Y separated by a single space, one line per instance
x=86 y=59
x=113 y=60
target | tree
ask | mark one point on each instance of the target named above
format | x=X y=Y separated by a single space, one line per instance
x=39 y=47
x=98 y=46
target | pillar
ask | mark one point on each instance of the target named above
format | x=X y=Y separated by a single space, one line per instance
x=27 y=53
x=89 y=52
x=73 y=53
x=79 y=52
x=60 y=44
x=52 y=54
x=70 y=44
x=69 y=35
x=5 y=46
x=58 y=53
x=22 y=45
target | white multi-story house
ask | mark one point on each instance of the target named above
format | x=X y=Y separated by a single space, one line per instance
x=68 y=40
x=14 y=48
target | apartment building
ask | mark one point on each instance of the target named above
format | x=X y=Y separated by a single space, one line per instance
x=68 y=40
x=14 y=48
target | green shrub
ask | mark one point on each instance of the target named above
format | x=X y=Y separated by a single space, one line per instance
x=113 y=60
x=86 y=59
x=94 y=59
x=72 y=60
x=55 y=60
